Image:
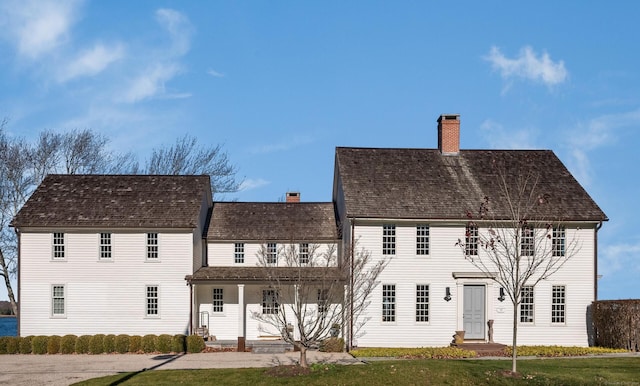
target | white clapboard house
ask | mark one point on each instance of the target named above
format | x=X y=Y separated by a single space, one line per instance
x=154 y=254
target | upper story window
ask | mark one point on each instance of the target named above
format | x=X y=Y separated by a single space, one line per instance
x=239 y=253
x=388 y=239
x=527 y=240
x=218 y=300
x=388 y=302
x=272 y=253
x=558 y=241
x=105 y=245
x=471 y=240
x=58 y=246
x=422 y=240
x=558 y=303
x=58 y=300
x=526 y=304
x=152 y=246
x=303 y=253
x=152 y=300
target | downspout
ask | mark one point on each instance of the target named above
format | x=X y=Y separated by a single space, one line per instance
x=190 y=308
x=595 y=262
x=353 y=247
x=18 y=234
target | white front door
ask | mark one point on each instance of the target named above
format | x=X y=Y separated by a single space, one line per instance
x=473 y=311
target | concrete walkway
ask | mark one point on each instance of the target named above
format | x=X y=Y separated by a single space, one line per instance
x=68 y=369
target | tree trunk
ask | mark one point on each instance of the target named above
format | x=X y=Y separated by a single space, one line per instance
x=514 y=353
x=303 y=357
x=7 y=283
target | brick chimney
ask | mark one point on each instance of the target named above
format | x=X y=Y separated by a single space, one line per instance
x=449 y=134
x=293 y=197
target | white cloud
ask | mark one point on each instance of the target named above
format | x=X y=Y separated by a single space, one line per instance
x=38 y=27
x=215 y=73
x=151 y=83
x=179 y=28
x=250 y=184
x=281 y=146
x=501 y=138
x=91 y=62
x=529 y=66
x=614 y=258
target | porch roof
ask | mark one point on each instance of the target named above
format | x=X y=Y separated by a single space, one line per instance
x=290 y=275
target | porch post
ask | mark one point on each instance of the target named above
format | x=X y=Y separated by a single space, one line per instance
x=241 y=315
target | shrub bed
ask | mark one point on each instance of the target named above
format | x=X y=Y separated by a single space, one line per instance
x=68 y=344
x=53 y=344
x=96 y=344
x=560 y=351
x=421 y=352
x=39 y=344
x=163 y=343
x=195 y=344
x=82 y=344
x=122 y=343
x=149 y=343
x=179 y=343
x=25 y=344
x=135 y=344
x=109 y=343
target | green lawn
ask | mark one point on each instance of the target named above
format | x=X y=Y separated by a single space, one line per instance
x=587 y=371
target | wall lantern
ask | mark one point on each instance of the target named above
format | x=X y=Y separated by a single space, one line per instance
x=447 y=294
x=501 y=297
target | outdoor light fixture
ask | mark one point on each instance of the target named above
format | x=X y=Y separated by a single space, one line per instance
x=501 y=297
x=447 y=293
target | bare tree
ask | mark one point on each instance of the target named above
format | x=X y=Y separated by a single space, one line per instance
x=312 y=292
x=514 y=238
x=186 y=157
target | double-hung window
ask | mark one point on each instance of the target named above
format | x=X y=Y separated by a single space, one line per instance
x=558 y=241
x=105 y=246
x=526 y=304
x=422 y=303
x=388 y=239
x=152 y=246
x=388 y=302
x=238 y=253
x=270 y=302
x=152 y=297
x=471 y=240
x=272 y=253
x=527 y=237
x=218 y=300
x=58 y=246
x=303 y=253
x=422 y=240
x=323 y=300
x=558 y=303
x=58 y=301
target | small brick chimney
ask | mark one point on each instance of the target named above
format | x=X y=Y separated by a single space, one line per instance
x=449 y=134
x=293 y=197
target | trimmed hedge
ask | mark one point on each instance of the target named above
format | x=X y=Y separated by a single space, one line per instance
x=53 y=344
x=25 y=344
x=332 y=345
x=149 y=343
x=122 y=343
x=163 y=343
x=13 y=345
x=179 y=343
x=39 y=344
x=195 y=344
x=82 y=344
x=135 y=344
x=68 y=344
x=96 y=344
x=109 y=343
x=617 y=323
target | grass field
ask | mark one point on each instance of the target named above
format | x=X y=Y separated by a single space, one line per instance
x=582 y=371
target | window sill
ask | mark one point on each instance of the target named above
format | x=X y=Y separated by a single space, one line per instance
x=152 y=261
x=58 y=317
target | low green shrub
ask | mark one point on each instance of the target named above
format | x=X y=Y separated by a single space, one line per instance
x=96 y=344
x=3 y=344
x=82 y=344
x=122 y=343
x=13 y=345
x=332 y=345
x=195 y=344
x=179 y=343
x=415 y=353
x=25 y=344
x=39 y=344
x=135 y=344
x=68 y=344
x=149 y=343
x=163 y=344
x=109 y=343
x=53 y=344
x=560 y=351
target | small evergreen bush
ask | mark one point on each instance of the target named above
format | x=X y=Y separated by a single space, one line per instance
x=96 y=344
x=82 y=344
x=164 y=343
x=332 y=345
x=13 y=345
x=3 y=344
x=39 y=344
x=179 y=343
x=135 y=344
x=68 y=344
x=25 y=344
x=122 y=343
x=149 y=343
x=53 y=344
x=195 y=344
x=109 y=343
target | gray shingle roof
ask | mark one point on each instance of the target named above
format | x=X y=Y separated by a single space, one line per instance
x=115 y=201
x=262 y=274
x=424 y=184
x=268 y=221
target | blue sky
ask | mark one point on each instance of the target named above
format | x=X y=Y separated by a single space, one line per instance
x=282 y=83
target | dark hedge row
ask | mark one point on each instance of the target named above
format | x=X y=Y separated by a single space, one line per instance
x=617 y=323
x=98 y=344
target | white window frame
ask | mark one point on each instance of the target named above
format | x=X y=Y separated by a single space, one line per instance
x=105 y=250
x=303 y=253
x=323 y=300
x=471 y=237
x=559 y=304
x=527 y=241
x=57 y=297
x=389 y=239
x=152 y=301
x=270 y=301
x=558 y=241
x=388 y=303
x=527 y=305
x=238 y=253
x=422 y=239
x=422 y=303
x=152 y=246
x=218 y=300
x=58 y=250
x=272 y=253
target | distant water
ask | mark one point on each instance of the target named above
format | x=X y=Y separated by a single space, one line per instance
x=8 y=326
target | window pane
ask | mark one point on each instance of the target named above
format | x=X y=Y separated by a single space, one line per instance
x=526 y=305
x=388 y=239
x=105 y=245
x=152 y=245
x=422 y=303
x=57 y=300
x=272 y=253
x=323 y=300
x=422 y=240
x=218 y=300
x=389 y=303
x=303 y=255
x=558 y=304
x=58 y=245
x=152 y=300
x=558 y=241
x=269 y=302
x=471 y=240
x=527 y=241
x=239 y=253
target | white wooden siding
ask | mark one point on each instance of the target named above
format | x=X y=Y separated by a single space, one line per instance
x=105 y=297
